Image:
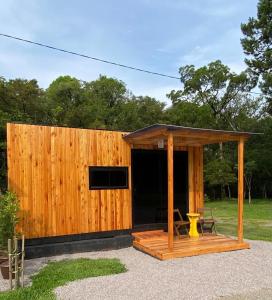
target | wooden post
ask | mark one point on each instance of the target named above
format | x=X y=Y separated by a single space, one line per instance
x=22 y=261
x=170 y=154
x=16 y=262
x=240 y=189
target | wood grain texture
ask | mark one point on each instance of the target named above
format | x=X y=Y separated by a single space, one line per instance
x=195 y=180
x=240 y=188
x=48 y=169
x=155 y=243
x=170 y=164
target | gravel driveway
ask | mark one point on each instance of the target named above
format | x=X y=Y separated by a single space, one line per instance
x=244 y=274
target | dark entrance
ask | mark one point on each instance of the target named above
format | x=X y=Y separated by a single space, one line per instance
x=149 y=186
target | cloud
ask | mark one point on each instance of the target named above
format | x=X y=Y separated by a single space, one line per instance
x=227 y=48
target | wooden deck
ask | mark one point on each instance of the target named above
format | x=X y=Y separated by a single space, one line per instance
x=155 y=243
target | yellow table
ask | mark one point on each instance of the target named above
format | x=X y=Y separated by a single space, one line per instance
x=193 y=218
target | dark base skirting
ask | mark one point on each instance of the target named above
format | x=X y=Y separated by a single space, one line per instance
x=77 y=243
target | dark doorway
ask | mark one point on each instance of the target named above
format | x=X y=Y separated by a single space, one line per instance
x=149 y=184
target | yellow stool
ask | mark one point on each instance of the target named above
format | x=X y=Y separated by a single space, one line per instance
x=193 y=218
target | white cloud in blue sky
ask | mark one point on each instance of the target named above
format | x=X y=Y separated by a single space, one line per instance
x=153 y=34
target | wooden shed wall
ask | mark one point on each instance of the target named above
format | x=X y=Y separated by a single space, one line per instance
x=48 y=169
x=195 y=180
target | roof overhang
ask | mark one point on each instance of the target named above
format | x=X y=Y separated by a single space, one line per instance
x=183 y=136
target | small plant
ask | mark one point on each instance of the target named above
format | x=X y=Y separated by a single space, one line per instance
x=9 y=208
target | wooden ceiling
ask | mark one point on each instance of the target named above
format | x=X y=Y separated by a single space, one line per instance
x=183 y=136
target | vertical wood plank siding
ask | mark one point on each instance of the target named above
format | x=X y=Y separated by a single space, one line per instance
x=195 y=180
x=48 y=169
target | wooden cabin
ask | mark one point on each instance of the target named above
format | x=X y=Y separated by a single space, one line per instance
x=77 y=185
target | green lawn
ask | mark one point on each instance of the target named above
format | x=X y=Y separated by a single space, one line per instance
x=257 y=218
x=59 y=273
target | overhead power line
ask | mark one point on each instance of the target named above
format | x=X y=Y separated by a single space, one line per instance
x=98 y=59
x=89 y=57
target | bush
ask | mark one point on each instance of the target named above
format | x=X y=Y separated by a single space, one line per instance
x=9 y=208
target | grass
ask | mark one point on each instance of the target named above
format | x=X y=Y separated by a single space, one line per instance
x=257 y=218
x=59 y=273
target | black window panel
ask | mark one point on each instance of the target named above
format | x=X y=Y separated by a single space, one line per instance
x=118 y=178
x=99 y=178
x=108 y=177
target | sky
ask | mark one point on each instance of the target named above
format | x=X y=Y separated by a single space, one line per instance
x=157 y=35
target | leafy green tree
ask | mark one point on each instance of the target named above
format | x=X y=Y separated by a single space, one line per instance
x=20 y=99
x=85 y=104
x=189 y=114
x=219 y=172
x=104 y=98
x=63 y=95
x=139 y=112
x=259 y=149
x=257 y=45
x=213 y=85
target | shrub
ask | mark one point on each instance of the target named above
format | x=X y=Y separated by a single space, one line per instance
x=9 y=208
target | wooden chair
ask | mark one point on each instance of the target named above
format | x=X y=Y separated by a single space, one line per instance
x=180 y=223
x=206 y=220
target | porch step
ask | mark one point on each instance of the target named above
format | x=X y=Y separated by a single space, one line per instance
x=146 y=235
x=156 y=244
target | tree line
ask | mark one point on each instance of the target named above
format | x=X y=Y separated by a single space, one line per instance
x=211 y=96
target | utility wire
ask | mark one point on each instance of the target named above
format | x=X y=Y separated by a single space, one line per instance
x=89 y=57
x=99 y=59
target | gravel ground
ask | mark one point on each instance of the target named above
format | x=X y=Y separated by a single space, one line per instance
x=244 y=274
x=261 y=294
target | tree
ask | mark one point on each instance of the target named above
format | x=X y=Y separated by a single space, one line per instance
x=213 y=85
x=93 y=104
x=189 y=114
x=139 y=112
x=250 y=168
x=20 y=99
x=64 y=94
x=259 y=149
x=104 y=98
x=219 y=172
x=257 y=45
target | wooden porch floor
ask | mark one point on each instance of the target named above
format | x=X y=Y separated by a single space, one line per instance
x=155 y=243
